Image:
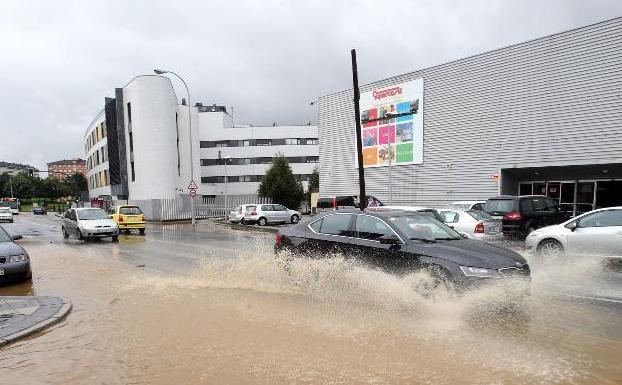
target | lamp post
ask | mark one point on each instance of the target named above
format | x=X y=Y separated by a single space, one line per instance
x=160 y=72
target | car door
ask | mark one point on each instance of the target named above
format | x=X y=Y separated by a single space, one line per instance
x=71 y=224
x=329 y=235
x=598 y=233
x=366 y=244
x=268 y=213
x=451 y=218
x=281 y=213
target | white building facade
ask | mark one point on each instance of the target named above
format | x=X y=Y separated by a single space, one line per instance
x=138 y=147
x=235 y=158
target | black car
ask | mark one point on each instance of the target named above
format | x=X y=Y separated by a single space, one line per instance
x=521 y=215
x=39 y=211
x=14 y=260
x=402 y=242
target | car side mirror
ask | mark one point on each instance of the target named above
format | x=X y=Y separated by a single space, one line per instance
x=572 y=226
x=390 y=240
x=16 y=237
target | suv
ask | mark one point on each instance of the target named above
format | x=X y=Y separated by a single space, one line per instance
x=347 y=202
x=521 y=215
x=264 y=214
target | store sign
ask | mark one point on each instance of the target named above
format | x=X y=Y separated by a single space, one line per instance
x=393 y=116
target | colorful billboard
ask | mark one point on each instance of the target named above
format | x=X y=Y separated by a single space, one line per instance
x=393 y=116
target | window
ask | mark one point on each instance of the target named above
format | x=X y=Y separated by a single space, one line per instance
x=551 y=205
x=336 y=224
x=539 y=204
x=233 y=179
x=292 y=141
x=133 y=174
x=450 y=216
x=178 y=157
x=266 y=208
x=315 y=226
x=279 y=208
x=312 y=141
x=313 y=159
x=602 y=219
x=263 y=142
x=368 y=227
x=129 y=113
x=131 y=142
x=526 y=205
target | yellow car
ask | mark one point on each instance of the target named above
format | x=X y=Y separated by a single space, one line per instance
x=129 y=217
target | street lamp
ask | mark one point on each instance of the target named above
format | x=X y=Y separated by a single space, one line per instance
x=160 y=72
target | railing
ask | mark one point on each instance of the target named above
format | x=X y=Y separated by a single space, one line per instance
x=178 y=208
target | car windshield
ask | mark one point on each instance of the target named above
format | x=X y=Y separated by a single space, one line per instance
x=130 y=210
x=420 y=227
x=479 y=215
x=460 y=206
x=4 y=237
x=499 y=206
x=5 y=210
x=92 y=214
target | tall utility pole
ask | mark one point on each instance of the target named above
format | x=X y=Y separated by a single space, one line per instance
x=357 y=122
x=160 y=72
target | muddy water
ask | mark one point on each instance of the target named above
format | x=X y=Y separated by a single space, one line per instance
x=243 y=320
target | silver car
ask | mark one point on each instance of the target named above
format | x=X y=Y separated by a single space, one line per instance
x=237 y=214
x=6 y=214
x=87 y=223
x=270 y=213
x=473 y=224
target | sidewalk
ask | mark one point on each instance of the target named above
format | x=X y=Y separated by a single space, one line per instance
x=24 y=315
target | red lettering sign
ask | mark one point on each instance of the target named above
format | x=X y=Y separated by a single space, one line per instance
x=381 y=94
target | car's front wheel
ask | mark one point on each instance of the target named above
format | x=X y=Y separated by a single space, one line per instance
x=295 y=218
x=65 y=235
x=550 y=249
x=115 y=238
x=141 y=231
x=79 y=235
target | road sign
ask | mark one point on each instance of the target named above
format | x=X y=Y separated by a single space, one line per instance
x=193 y=192
x=192 y=185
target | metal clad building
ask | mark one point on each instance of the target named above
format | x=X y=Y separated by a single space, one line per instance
x=543 y=116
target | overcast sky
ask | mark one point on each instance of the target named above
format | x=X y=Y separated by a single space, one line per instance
x=268 y=59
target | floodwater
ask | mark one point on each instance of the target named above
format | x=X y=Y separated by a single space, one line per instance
x=240 y=319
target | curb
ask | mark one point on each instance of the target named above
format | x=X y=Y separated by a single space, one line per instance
x=57 y=317
x=236 y=226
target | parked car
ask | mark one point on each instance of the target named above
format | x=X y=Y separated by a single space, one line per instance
x=129 y=217
x=595 y=232
x=473 y=224
x=6 y=215
x=86 y=223
x=14 y=260
x=237 y=214
x=345 y=202
x=467 y=205
x=270 y=213
x=433 y=213
x=39 y=211
x=401 y=242
x=521 y=215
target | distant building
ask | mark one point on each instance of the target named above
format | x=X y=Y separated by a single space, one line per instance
x=67 y=167
x=137 y=147
x=16 y=168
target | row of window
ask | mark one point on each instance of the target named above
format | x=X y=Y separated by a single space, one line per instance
x=245 y=178
x=99 y=133
x=260 y=142
x=258 y=160
x=98 y=157
x=99 y=180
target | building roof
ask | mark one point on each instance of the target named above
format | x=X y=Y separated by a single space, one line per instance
x=67 y=162
x=17 y=166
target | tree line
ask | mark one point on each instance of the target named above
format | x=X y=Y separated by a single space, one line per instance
x=25 y=186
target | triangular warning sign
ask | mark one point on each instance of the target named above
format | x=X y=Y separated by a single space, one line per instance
x=192 y=185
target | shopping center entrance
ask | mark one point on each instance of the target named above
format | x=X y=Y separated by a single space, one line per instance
x=578 y=189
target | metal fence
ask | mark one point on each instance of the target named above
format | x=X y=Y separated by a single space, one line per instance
x=179 y=208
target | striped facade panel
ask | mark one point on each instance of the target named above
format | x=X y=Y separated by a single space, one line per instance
x=552 y=101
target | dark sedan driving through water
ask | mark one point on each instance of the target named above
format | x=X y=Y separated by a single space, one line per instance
x=401 y=242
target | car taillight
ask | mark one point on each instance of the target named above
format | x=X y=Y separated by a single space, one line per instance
x=279 y=239
x=120 y=218
x=335 y=203
x=142 y=217
x=479 y=228
x=513 y=216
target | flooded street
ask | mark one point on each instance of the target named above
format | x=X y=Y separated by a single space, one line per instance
x=213 y=306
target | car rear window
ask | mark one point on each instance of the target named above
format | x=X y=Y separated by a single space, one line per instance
x=499 y=206
x=345 y=201
x=325 y=203
x=133 y=210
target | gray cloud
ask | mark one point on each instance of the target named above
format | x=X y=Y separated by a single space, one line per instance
x=269 y=59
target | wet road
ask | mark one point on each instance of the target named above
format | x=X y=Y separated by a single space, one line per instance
x=212 y=306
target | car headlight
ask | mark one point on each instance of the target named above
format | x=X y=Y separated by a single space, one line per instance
x=18 y=258
x=481 y=272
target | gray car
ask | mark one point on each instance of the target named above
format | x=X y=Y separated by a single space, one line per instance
x=270 y=213
x=88 y=223
x=14 y=260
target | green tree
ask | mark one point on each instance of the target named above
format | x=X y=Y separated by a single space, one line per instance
x=281 y=184
x=76 y=183
x=314 y=180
